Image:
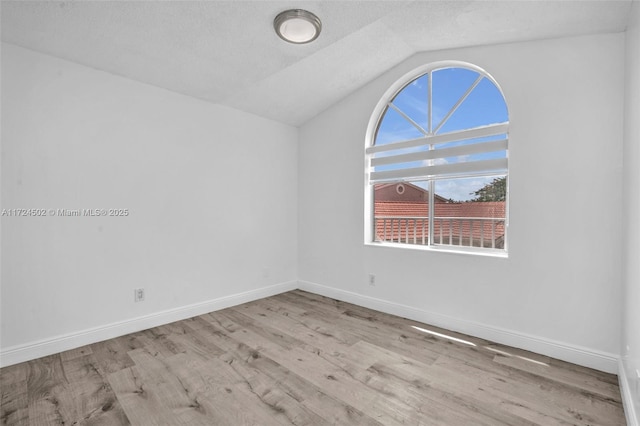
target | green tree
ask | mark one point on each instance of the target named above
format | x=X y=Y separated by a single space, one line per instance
x=496 y=190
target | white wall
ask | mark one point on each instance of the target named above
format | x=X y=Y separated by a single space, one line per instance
x=559 y=291
x=211 y=193
x=631 y=222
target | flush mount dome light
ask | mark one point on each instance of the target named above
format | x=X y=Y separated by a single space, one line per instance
x=297 y=26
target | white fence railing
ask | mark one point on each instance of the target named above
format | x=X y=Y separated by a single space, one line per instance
x=460 y=231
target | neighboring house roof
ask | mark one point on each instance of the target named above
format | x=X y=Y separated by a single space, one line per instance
x=404 y=191
x=393 y=208
x=495 y=209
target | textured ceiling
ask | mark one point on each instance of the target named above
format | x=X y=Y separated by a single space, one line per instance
x=227 y=52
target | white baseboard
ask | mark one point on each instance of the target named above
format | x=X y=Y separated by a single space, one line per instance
x=27 y=352
x=627 y=396
x=602 y=361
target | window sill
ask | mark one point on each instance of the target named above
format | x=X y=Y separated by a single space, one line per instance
x=444 y=249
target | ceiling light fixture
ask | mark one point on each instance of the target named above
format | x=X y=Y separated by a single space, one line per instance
x=297 y=26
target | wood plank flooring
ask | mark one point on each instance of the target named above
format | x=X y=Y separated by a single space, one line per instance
x=302 y=359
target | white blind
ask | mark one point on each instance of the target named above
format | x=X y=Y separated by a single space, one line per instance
x=433 y=157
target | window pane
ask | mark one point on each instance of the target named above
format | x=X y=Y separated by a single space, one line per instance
x=483 y=106
x=449 y=85
x=394 y=127
x=401 y=213
x=413 y=100
x=474 y=214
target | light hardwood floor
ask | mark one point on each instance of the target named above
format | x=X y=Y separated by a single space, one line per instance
x=298 y=358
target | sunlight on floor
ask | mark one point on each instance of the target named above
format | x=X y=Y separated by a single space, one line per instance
x=498 y=351
x=455 y=339
x=507 y=354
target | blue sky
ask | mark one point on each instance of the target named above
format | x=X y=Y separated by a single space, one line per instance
x=484 y=105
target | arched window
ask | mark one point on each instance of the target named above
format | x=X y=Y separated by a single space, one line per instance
x=437 y=161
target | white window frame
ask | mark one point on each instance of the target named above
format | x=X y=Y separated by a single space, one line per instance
x=372 y=128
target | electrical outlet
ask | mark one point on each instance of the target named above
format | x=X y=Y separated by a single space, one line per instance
x=138 y=294
x=372 y=280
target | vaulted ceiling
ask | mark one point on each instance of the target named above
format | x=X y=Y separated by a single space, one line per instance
x=226 y=52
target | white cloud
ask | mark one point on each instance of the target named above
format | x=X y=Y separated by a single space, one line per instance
x=461 y=189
